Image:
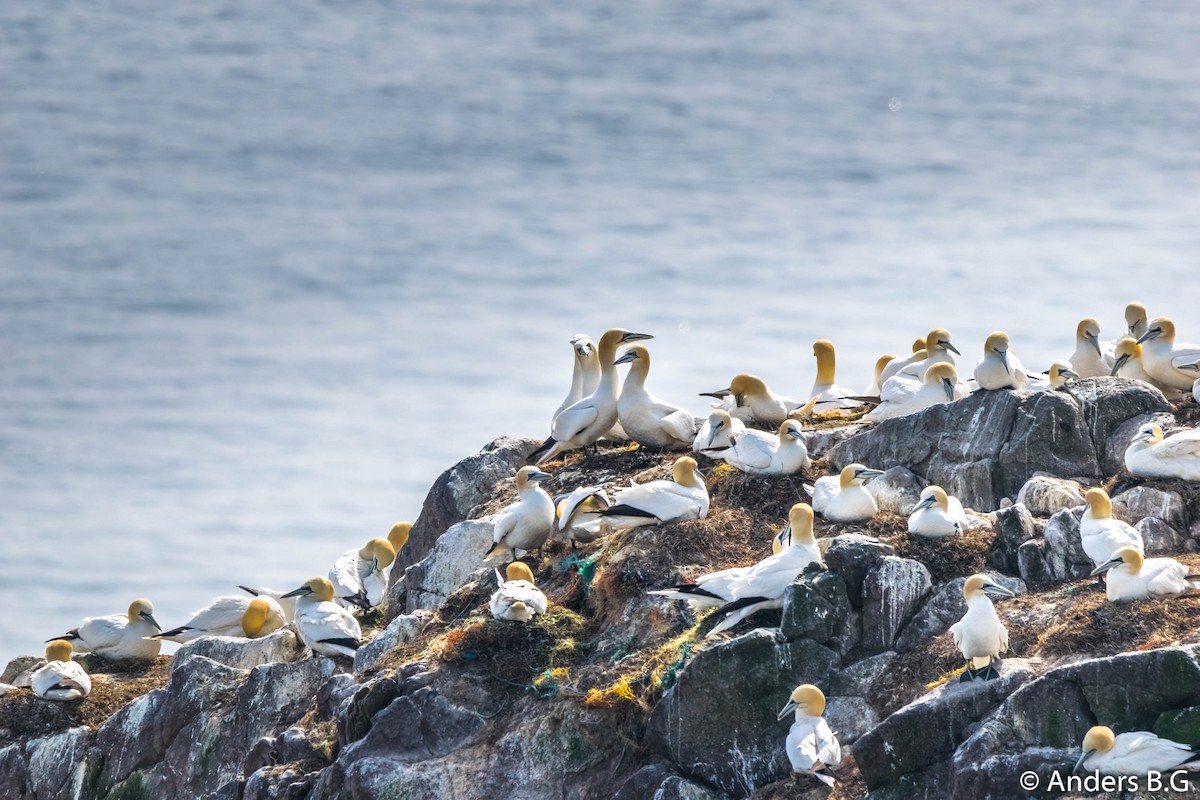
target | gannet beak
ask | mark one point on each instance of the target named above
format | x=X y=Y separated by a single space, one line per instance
x=627 y=357
x=1107 y=565
x=949 y=345
x=539 y=476
x=949 y=387
x=712 y=434
x=1069 y=373
x=150 y=618
x=926 y=503
x=996 y=590
x=1082 y=759
x=869 y=475
x=297 y=592
x=635 y=337
x=1095 y=342
x=1150 y=334
x=791 y=706
x=1003 y=358
x=720 y=394
x=584 y=349
x=1120 y=362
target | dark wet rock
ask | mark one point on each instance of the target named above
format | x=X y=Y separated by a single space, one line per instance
x=852 y=555
x=817 y=607
x=856 y=679
x=661 y=783
x=944 y=608
x=849 y=718
x=897 y=490
x=891 y=592
x=1014 y=526
x=1045 y=495
x=1180 y=726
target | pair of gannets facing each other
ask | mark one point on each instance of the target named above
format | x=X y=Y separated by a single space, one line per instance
x=812 y=747
x=585 y=373
x=579 y=513
x=903 y=395
x=750 y=400
x=360 y=577
x=762 y=453
x=1172 y=364
x=1132 y=576
x=1101 y=534
x=828 y=395
x=517 y=598
x=938 y=347
x=999 y=368
x=1149 y=455
x=326 y=627
x=979 y=635
x=682 y=498
x=844 y=497
x=645 y=419
x=1133 y=753
x=718 y=431
x=525 y=525
x=937 y=514
x=234 y=615
x=739 y=592
x=60 y=678
x=584 y=422
x=117 y=636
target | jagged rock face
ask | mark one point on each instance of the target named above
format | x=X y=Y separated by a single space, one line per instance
x=986 y=446
x=853 y=555
x=817 y=607
x=718 y=722
x=454 y=494
x=659 y=782
x=891 y=592
x=449 y=564
x=50 y=767
x=1013 y=526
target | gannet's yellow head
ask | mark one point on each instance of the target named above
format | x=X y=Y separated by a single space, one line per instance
x=1135 y=317
x=980 y=584
x=316 y=589
x=1098 y=503
x=826 y=360
x=583 y=345
x=1159 y=328
x=881 y=365
x=1127 y=350
x=1097 y=740
x=800 y=521
x=719 y=419
x=380 y=551
x=398 y=535
x=933 y=496
x=58 y=650
x=806 y=698
x=790 y=429
x=255 y=617
x=683 y=471
x=918 y=345
x=1127 y=558
x=518 y=571
x=1149 y=434
x=852 y=474
x=996 y=341
x=944 y=375
x=1060 y=373
x=939 y=339
x=614 y=338
x=638 y=356
x=528 y=475
x=142 y=609
x=744 y=386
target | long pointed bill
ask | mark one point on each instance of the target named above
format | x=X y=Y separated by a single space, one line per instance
x=1082 y=759
x=996 y=590
x=926 y=503
x=1150 y=334
x=720 y=394
x=626 y=357
x=1107 y=565
x=869 y=475
x=950 y=346
x=791 y=706
x=949 y=387
x=635 y=337
x=1004 y=360
x=150 y=618
x=296 y=592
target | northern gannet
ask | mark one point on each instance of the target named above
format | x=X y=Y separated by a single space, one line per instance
x=903 y=395
x=749 y=399
x=979 y=635
x=645 y=419
x=325 y=627
x=1054 y=378
x=1175 y=366
x=829 y=396
x=762 y=453
x=60 y=678
x=1132 y=576
x=398 y=536
x=1103 y=535
x=938 y=347
x=517 y=598
x=811 y=746
x=1000 y=368
x=717 y=432
x=234 y=615
x=880 y=366
x=525 y=525
x=1133 y=753
x=1088 y=359
x=844 y=497
x=288 y=604
x=360 y=577
x=119 y=635
x=1149 y=455
x=1128 y=362
x=682 y=498
x=741 y=591
x=583 y=423
x=937 y=515
x=585 y=373
x=1135 y=318
x=579 y=513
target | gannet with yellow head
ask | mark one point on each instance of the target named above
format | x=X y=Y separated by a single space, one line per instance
x=844 y=497
x=645 y=419
x=579 y=513
x=1129 y=575
x=1088 y=359
x=880 y=365
x=718 y=431
x=326 y=627
x=1173 y=365
x=1127 y=362
x=902 y=395
x=1149 y=455
x=999 y=368
x=937 y=514
x=979 y=635
x=811 y=746
x=762 y=453
x=119 y=636
x=585 y=422
x=937 y=350
x=60 y=678
x=682 y=498
x=518 y=598
x=525 y=525
x=750 y=400
x=829 y=396
x=1102 y=534
x=585 y=373
x=360 y=575
x=232 y=615
x=1134 y=753
x=398 y=536
x=1054 y=378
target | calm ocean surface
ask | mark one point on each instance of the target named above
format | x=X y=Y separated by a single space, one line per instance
x=267 y=268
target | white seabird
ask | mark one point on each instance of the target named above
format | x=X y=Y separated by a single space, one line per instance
x=1127 y=363
x=739 y=592
x=880 y=366
x=326 y=627
x=585 y=422
x=1149 y=455
x=1133 y=753
x=579 y=513
x=999 y=368
x=60 y=678
x=1135 y=318
x=360 y=577
x=1088 y=359
x=1173 y=365
x=750 y=400
x=717 y=432
x=585 y=373
x=684 y=497
x=517 y=598
x=233 y=615
x=762 y=453
x=645 y=419
x=811 y=746
x=1101 y=534
x=1132 y=576
x=938 y=347
x=979 y=635
x=119 y=635
x=844 y=497
x=525 y=525
x=1055 y=378
x=829 y=396
x=903 y=395
x=937 y=514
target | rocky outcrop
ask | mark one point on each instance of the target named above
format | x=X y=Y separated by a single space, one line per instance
x=450 y=562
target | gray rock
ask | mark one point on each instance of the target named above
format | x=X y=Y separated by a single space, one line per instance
x=819 y=442
x=453 y=496
x=661 y=783
x=853 y=555
x=944 y=608
x=279 y=783
x=1031 y=562
x=717 y=724
x=817 y=607
x=57 y=764
x=897 y=490
x=403 y=628
x=1159 y=537
x=1140 y=502
x=280 y=646
x=856 y=679
x=1112 y=460
x=891 y=592
x=1108 y=403
x=450 y=563
x=19 y=669
x=1045 y=495
x=1063 y=551
x=1013 y=526
x=849 y=718
x=416 y=727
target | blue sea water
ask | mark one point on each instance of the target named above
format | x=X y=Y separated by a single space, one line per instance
x=267 y=268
